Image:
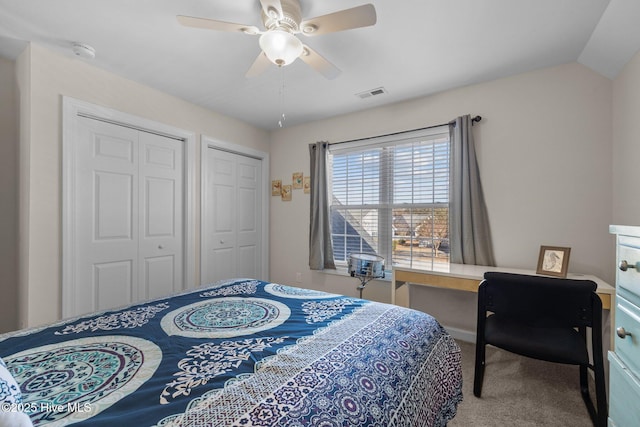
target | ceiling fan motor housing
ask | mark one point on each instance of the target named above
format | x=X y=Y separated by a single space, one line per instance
x=290 y=19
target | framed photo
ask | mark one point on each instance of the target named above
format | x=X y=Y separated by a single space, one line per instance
x=286 y=193
x=553 y=261
x=276 y=187
x=306 y=184
x=297 y=180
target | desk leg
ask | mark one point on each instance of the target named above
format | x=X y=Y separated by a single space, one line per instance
x=400 y=293
x=612 y=320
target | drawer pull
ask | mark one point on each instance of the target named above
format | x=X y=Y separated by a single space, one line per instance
x=624 y=265
x=622 y=333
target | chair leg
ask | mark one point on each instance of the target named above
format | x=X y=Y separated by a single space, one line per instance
x=598 y=418
x=478 y=375
x=584 y=390
x=479 y=368
x=601 y=393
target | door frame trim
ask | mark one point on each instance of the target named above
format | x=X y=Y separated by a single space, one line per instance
x=205 y=144
x=72 y=109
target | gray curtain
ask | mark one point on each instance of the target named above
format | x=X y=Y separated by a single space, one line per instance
x=320 y=244
x=469 y=234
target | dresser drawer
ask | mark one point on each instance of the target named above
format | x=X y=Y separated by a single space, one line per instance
x=625 y=395
x=629 y=251
x=628 y=348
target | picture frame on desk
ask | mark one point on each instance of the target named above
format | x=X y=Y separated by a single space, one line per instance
x=553 y=261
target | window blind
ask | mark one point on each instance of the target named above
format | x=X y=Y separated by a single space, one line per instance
x=391 y=198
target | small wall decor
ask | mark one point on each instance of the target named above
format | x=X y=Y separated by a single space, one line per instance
x=553 y=261
x=286 y=193
x=297 y=180
x=276 y=187
x=306 y=184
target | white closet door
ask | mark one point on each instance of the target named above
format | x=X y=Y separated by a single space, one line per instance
x=161 y=222
x=249 y=173
x=232 y=227
x=129 y=225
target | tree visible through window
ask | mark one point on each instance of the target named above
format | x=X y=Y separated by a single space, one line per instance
x=391 y=197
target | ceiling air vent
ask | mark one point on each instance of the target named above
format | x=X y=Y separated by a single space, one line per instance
x=372 y=92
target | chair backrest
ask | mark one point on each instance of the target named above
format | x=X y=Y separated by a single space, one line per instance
x=541 y=301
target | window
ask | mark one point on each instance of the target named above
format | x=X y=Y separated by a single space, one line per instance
x=390 y=196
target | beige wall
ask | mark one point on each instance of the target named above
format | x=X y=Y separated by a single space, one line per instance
x=50 y=76
x=8 y=196
x=544 y=151
x=544 y=148
x=626 y=144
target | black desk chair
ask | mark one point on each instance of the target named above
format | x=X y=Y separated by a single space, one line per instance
x=544 y=318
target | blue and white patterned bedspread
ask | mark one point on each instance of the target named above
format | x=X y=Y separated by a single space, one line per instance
x=240 y=353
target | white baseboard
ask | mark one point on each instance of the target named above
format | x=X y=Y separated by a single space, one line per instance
x=461 y=334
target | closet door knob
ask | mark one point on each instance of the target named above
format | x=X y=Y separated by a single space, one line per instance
x=624 y=265
x=622 y=333
x=160 y=247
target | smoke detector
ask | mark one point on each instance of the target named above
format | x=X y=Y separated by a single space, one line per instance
x=83 y=50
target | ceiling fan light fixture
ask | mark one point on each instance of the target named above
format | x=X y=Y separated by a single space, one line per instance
x=281 y=47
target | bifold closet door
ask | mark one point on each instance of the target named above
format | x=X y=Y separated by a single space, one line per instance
x=128 y=215
x=231 y=225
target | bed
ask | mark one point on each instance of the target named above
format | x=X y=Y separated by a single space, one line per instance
x=238 y=353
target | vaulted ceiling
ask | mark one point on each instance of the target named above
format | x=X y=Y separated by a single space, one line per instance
x=416 y=48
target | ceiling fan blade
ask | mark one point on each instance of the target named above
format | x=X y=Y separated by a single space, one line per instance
x=319 y=63
x=360 y=16
x=259 y=66
x=272 y=8
x=212 y=24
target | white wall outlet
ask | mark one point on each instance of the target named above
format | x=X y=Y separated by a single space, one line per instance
x=298 y=277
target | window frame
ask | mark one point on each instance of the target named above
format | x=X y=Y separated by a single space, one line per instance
x=385 y=210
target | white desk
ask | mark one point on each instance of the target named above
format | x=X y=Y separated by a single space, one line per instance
x=468 y=277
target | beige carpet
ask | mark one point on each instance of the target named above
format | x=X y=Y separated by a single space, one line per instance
x=520 y=392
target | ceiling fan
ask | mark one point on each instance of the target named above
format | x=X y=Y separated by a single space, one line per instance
x=282 y=20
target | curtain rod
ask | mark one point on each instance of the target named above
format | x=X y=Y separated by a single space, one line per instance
x=476 y=119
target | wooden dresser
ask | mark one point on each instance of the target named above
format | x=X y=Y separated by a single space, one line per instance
x=624 y=360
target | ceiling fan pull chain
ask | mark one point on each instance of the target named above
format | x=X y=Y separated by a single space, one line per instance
x=282 y=116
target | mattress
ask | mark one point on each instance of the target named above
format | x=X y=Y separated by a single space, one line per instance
x=239 y=353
